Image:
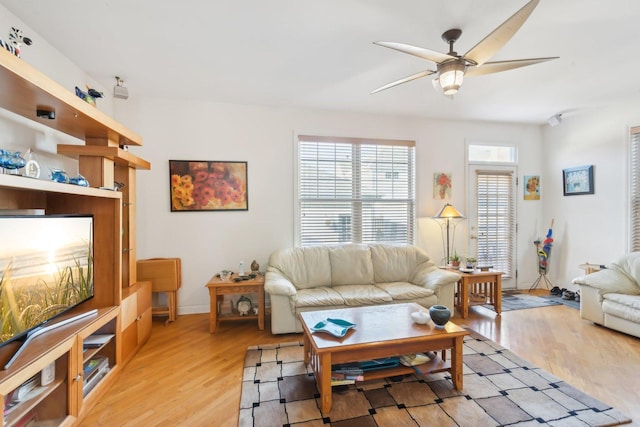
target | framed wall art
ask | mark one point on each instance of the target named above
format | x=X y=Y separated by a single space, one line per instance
x=442 y=185
x=532 y=187
x=198 y=185
x=578 y=180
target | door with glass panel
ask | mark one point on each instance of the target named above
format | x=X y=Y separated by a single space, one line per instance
x=492 y=219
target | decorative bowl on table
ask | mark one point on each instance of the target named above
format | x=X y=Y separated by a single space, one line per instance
x=420 y=317
x=440 y=315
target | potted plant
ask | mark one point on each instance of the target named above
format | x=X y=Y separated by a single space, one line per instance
x=471 y=262
x=454 y=260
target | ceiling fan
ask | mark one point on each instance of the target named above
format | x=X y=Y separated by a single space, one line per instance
x=452 y=68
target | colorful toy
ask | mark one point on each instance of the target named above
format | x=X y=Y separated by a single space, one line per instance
x=543 y=250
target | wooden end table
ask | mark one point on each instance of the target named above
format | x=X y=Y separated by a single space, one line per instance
x=218 y=288
x=590 y=268
x=485 y=284
x=381 y=331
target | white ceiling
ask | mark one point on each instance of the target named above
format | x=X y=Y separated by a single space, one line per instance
x=319 y=54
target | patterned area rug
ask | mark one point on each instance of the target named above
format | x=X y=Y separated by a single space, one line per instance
x=500 y=389
x=512 y=301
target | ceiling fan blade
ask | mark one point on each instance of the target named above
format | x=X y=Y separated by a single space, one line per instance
x=405 y=80
x=491 y=44
x=428 y=54
x=498 y=66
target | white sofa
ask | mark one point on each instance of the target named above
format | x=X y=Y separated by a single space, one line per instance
x=611 y=297
x=329 y=277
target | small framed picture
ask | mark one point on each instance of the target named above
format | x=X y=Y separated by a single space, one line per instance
x=578 y=180
x=532 y=187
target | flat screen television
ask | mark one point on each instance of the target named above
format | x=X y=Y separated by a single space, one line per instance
x=46 y=267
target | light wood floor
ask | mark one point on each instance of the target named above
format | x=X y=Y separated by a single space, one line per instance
x=186 y=376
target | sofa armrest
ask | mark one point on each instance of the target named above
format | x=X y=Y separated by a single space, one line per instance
x=609 y=280
x=433 y=277
x=591 y=304
x=276 y=284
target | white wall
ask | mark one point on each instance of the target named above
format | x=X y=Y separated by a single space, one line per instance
x=19 y=134
x=264 y=137
x=589 y=228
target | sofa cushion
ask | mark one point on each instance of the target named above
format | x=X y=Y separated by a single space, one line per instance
x=614 y=279
x=396 y=263
x=629 y=264
x=317 y=297
x=351 y=265
x=357 y=295
x=304 y=267
x=405 y=291
x=624 y=306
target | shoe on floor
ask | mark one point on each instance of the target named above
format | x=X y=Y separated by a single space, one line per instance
x=577 y=296
x=555 y=291
x=568 y=295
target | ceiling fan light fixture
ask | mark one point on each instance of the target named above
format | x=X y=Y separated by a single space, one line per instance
x=450 y=76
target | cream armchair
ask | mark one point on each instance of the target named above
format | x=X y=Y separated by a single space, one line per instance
x=611 y=297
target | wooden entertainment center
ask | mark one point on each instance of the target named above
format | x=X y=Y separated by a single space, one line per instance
x=118 y=317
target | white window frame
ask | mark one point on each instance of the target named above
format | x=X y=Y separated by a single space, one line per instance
x=357 y=237
x=634 y=189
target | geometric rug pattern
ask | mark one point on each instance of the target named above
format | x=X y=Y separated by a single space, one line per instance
x=500 y=389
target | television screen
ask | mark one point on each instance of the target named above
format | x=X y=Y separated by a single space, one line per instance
x=46 y=264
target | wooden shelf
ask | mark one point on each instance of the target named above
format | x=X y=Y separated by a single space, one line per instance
x=234 y=316
x=52 y=344
x=22 y=87
x=24 y=183
x=23 y=91
x=431 y=367
x=118 y=155
x=36 y=396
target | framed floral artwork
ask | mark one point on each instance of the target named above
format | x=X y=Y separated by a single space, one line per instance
x=532 y=187
x=578 y=180
x=442 y=185
x=208 y=185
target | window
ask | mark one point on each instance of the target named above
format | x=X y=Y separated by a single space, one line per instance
x=353 y=190
x=496 y=219
x=634 y=190
x=492 y=153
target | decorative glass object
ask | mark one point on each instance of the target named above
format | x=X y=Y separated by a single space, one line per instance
x=79 y=180
x=11 y=161
x=32 y=167
x=58 y=175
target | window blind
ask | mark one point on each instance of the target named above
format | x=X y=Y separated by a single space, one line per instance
x=353 y=190
x=496 y=222
x=634 y=190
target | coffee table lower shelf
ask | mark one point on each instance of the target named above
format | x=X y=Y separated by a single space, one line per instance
x=434 y=366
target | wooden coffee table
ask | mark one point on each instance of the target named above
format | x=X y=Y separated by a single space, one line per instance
x=381 y=331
